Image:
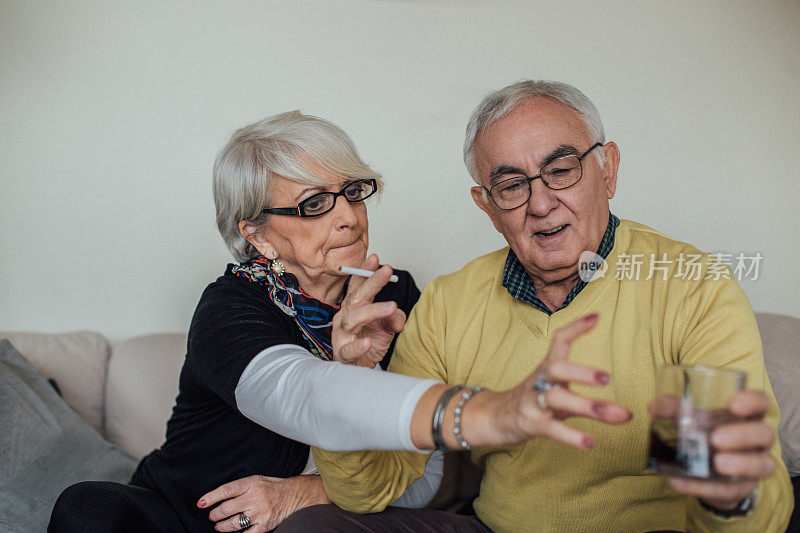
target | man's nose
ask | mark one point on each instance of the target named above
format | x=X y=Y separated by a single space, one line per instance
x=344 y=212
x=542 y=200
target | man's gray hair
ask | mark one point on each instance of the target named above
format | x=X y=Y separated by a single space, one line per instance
x=290 y=145
x=500 y=103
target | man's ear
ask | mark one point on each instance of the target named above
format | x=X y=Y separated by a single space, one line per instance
x=482 y=200
x=258 y=239
x=610 y=168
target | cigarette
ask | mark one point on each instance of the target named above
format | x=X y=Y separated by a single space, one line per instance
x=361 y=272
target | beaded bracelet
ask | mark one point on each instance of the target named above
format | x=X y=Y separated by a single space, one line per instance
x=438 y=418
x=465 y=396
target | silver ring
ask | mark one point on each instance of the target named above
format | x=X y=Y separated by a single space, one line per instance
x=244 y=521
x=542 y=401
x=541 y=384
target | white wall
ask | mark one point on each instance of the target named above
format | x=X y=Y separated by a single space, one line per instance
x=112 y=114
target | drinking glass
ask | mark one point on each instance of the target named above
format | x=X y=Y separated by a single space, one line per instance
x=690 y=402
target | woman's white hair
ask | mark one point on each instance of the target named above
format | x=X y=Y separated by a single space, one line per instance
x=500 y=103
x=280 y=145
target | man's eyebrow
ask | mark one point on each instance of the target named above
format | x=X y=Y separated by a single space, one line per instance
x=561 y=151
x=501 y=171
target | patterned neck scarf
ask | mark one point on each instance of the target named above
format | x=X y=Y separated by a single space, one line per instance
x=314 y=318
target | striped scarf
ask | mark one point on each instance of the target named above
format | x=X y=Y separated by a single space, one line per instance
x=314 y=318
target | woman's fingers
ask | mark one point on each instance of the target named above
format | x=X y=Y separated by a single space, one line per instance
x=395 y=322
x=232 y=523
x=226 y=509
x=353 y=351
x=563 y=338
x=566 y=403
x=562 y=370
x=371 y=286
x=370 y=263
x=570 y=436
x=225 y=492
x=358 y=317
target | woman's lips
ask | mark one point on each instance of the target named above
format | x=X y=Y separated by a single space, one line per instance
x=343 y=246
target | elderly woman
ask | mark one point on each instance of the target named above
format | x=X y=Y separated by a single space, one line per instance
x=289 y=192
x=263 y=377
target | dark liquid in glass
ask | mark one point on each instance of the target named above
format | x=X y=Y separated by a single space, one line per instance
x=680 y=446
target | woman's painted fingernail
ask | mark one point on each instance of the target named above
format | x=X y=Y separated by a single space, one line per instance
x=599 y=409
x=588 y=442
x=591 y=318
x=603 y=378
x=201 y=503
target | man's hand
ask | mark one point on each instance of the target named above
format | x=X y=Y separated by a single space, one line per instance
x=363 y=330
x=266 y=501
x=742 y=450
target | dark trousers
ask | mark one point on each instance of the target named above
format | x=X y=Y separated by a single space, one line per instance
x=103 y=506
x=329 y=518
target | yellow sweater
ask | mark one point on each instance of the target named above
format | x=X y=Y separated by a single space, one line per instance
x=467 y=329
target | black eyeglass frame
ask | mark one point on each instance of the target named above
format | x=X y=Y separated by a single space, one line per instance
x=299 y=211
x=539 y=175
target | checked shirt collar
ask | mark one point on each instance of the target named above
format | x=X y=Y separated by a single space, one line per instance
x=519 y=285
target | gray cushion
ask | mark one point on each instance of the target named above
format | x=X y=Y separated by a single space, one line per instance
x=780 y=335
x=44 y=446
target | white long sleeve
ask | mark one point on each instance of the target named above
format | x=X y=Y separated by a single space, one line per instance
x=328 y=404
x=421 y=492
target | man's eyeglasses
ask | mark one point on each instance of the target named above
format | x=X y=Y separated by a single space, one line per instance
x=320 y=203
x=562 y=173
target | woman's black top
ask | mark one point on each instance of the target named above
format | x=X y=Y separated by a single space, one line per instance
x=209 y=442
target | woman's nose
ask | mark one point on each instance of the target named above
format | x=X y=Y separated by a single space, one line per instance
x=344 y=212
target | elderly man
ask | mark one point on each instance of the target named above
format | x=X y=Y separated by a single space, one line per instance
x=545 y=175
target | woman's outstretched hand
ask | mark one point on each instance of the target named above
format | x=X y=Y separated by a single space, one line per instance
x=523 y=413
x=266 y=501
x=522 y=416
x=362 y=329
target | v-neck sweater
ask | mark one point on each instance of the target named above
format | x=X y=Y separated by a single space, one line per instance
x=467 y=329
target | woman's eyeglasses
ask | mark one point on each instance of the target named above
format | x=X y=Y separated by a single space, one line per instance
x=320 y=203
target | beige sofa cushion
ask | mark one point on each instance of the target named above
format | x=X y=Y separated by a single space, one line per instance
x=77 y=362
x=780 y=335
x=142 y=386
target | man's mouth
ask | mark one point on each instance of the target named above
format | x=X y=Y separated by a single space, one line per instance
x=551 y=232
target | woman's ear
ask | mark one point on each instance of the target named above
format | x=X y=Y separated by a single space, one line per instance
x=258 y=239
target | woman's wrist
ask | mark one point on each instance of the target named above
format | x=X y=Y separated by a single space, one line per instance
x=479 y=420
x=313 y=491
x=480 y=425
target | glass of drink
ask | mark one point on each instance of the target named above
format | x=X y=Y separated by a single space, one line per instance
x=690 y=402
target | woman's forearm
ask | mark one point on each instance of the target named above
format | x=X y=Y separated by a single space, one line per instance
x=327 y=404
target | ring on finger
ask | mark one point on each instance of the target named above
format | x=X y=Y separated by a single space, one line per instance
x=542 y=401
x=542 y=384
x=244 y=521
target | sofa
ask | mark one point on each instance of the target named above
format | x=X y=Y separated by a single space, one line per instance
x=120 y=396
